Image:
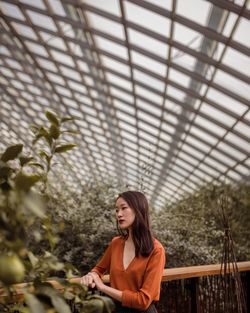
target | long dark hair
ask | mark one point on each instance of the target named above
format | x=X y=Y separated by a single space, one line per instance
x=141 y=230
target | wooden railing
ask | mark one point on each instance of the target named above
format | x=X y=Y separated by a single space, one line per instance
x=183 y=284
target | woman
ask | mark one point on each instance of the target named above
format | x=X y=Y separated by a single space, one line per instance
x=135 y=260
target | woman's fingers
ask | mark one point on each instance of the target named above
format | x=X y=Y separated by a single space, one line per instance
x=88 y=281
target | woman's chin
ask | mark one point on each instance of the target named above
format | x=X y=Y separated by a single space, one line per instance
x=123 y=226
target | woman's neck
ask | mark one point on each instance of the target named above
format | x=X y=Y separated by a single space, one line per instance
x=130 y=237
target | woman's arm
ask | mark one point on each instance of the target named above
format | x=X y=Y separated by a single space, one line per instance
x=112 y=292
x=101 y=267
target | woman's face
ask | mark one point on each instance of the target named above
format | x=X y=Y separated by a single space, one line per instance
x=124 y=213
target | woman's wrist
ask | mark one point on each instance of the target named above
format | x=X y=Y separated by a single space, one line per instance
x=93 y=274
x=103 y=288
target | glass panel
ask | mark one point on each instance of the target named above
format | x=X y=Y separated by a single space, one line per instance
x=148 y=63
x=106 y=25
x=226 y=102
x=150 y=108
x=203 y=135
x=124 y=107
x=179 y=78
x=209 y=125
x=147 y=43
x=145 y=93
x=236 y=60
x=36 y=48
x=144 y=126
x=197 y=12
x=53 y=41
x=119 y=81
x=126 y=118
x=147 y=19
x=231 y=83
x=62 y=58
x=242 y=31
x=57 y=7
x=113 y=64
x=12 y=10
x=24 y=30
x=148 y=80
x=111 y=47
x=42 y=20
x=217 y=115
x=148 y=118
x=122 y=95
x=110 y=6
x=229 y=24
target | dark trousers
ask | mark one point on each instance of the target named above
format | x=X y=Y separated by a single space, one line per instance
x=123 y=309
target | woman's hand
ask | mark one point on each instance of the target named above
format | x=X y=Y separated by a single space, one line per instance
x=88 y=280
x=97 y=281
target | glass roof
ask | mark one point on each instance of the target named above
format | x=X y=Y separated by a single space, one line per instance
x=161 y=88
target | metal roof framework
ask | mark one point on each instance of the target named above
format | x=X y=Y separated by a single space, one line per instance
x=158 y=86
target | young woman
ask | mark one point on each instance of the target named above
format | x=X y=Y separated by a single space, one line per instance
x=135 y=260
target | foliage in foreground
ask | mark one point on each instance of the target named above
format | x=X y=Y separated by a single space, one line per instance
x=23 y=203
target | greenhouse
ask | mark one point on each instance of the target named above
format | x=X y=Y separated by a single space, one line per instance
x=103 y=97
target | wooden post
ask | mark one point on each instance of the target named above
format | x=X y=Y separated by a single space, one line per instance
x=195 y=306
x=248 y=291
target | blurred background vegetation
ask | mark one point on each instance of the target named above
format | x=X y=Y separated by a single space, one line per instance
x=191 y=230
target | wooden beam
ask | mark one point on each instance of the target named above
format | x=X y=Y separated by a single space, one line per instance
x=169 y=274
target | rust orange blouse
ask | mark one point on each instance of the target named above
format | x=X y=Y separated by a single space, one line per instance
x=140 y=281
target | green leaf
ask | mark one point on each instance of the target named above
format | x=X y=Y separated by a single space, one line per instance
x=67 y=119
x=38 y=136
x=71 y=131
x=44 y=154
x=68 y=295
x=109 y=305
x=24 y=160
x=33 y=259
x=52 y=118
x=56 y=299
x=34 y=304
x=34 y=128
x=93 y=306
x=59 y=304
x=54 y=131
x=11 y=152
x=43 y=133
x=64 y=148
x=5 y=172
x=19 y=308
x=25 y=182
x=37 y=165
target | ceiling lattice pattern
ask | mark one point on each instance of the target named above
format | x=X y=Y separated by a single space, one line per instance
x=158 y=86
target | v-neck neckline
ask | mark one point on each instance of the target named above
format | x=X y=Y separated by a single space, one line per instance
x=122 y=257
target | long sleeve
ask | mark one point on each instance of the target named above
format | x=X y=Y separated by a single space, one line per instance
x=151 y=283
x=103 y=266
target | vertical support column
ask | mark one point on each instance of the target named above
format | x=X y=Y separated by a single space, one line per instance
x=195 y=305
x=248 y=290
